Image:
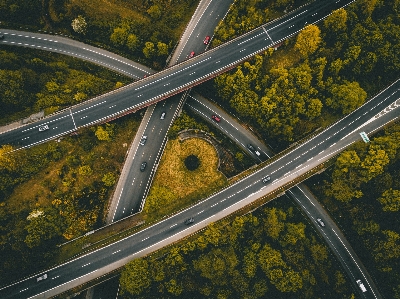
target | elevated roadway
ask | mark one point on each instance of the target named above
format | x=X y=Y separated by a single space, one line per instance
x=381 y=109
x=168 y=82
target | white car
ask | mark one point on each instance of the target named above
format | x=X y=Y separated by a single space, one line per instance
x=361 y=286
x=319 y=220
x=266 y=179
x=43 y=128
x=143 y=140
x=44 y=276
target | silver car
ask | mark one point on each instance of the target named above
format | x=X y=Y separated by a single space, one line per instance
x=44 y=276
x=43 y=128
x=143 y=140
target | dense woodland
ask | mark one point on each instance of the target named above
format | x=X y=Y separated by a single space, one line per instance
x=325 y=72
x=362 y=191
x=270 y=253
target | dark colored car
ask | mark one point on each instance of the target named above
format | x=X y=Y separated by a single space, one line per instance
x=163 y=115
x=189 y=221
x=143 y=166
x=216 y=118
x=191 y=54
x=266 y=179
x=251 y=147
x=206 y=40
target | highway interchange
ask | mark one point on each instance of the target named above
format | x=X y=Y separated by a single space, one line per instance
x=166 y=83
x=282 y=171
x=358 y=122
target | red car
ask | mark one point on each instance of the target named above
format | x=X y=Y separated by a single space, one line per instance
x=191 y=54
x=206 y=40
x=216 y=118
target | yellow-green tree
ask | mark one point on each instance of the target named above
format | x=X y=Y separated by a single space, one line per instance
x=390 y=200
x=336 y=21
x=135 y=277
x=308 y=40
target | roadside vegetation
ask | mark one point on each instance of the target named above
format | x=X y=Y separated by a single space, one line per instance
x=57 y=191
x=145 y=31
x=322 y=74
x=270 y=253
x=32 y=81
x=362 y=192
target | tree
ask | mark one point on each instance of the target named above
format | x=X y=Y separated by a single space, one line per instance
x=269 y=258
x=79 y=24
x=374 y=163
x=390 y=200
x=135 y=278
x=319 y=252
x=102 y=134
x=314 y=108
x=162 y=49
x=119 y=36
x=155 y=12
x=11 y=85
x=336 y=21
x=132 y=42
x=347 y=96
x=250 y=264
x=174 y=287
x=85 y=170
x=308 y=40
x=216 y=265
x=273 y=223
x=294 y=232
x=108 y=179
x=43 y=225
x=149 y=50
x=388 y=247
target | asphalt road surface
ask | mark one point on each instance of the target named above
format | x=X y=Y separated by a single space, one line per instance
x=168 y=82
x=300 y=193
x=133 y=185
x=378 y=111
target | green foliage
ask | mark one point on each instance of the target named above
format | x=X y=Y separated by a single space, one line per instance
x=85 y=170
x=347 y=97
x=136 y=277
x=43 y=225
x=149 y=50
x=308 y=40
x=155 y=12
x=119 y=36
x=238 y=259
x=390 y=200
x=102 y=134
x=336 y=22
x=162 y=49
x=132 y=42
x=105 y=133
x=109 y=179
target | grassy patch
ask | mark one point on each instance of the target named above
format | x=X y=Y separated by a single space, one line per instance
x=104 y=11
x=175 y=186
